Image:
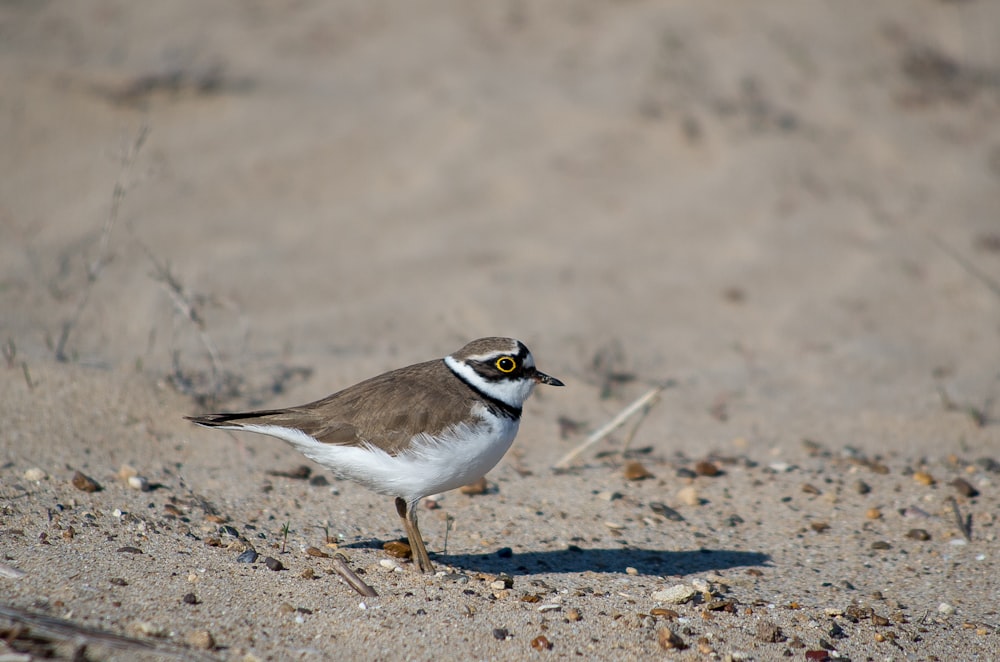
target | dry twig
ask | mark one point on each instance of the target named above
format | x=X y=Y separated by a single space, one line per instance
x=349 y=576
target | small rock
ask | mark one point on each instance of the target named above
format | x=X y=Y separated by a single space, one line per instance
x=501 y=634
x=505 y=553
x=85 y=483
x=663 y=510
x=147 y=629
x=733 y=520
x=636 y=471
x=945 y=609
x=988 y=464
x=819 y=527
x=918 y=534
x=880 y=621
x=35 y=474
x=541 y=643
x=398 y=549
x=670 y=640
x=861 y=487
x=127 y=471
x=502 y=582
x=140 y=483
x=873 y=513
x=810 y=489
x=881 y=545
x=317 y=552
x=965 y=488
x=923 y=478
x=128 y=549
x=307 y=574
x=769 y=632
x=675 y=595
x=706 y=468
x=689 y=496
x=388 y=564
x=608 y=495
x=249 y=556
x=549 y=607
x=631 y=571
x=574 y=614
x=684 y=472
x=663 y=612
x=478 y=487
x=273 y=563
x=190 y=599
x=202 y=639
x=836 y=632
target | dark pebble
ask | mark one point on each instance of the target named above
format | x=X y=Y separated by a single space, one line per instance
x=836 y=631
x=505 y=553
x=85 y=483
x=684 y=472
x=118 y=581
x=456 y=577
x=918 y=534
x=989 y=464
x=190 y=599
x=881 y=545
x=500 y=633
x=273 y=563
x=228 y=531
x=249 y=556
x=319 y=480
x=663 y=510
x=965 y=488
x=128 y=549
x=733 y=520
x=862 y=487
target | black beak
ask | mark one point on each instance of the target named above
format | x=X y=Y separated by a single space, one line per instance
x=542 y=378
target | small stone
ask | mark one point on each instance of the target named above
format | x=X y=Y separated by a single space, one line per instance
x=388 y=564
x=118 y=581
x=308 y=573
x=769 y=632
x=663 y=612
x=810 y=489
x=502 y=582
x=670 y=640
x=631 y=571
x=873 y=513
x=127 y=471
x=663 y=510
x=684 y=472
x=398 y=549
x=988 y=464
x=689 y=496
x=315 y=551
x=573 y=614
x=129 y=549
x=478 y=487
x=819 y=527
x=881 y=545
x=836 y=632
x=965 y=488
x=85 y=483
x=880 y=621
x=531 y=598
x=202 y=639
x=249 y=556
x=35 y=474
x=923 y=478
x=505 y=553
x=861 y=487
x=147 y=629
x=706 y=468
x=285 y=609
x=549 y=607
x=500 y=634
x=68 y=533
x=190 y=599
x=541 y=643
x=733 y=520
x=675 y=595
x=636 y=471
x=608 y=495
x=945 y=609
x=140 y=483
x=273 y=563
x=918 y=534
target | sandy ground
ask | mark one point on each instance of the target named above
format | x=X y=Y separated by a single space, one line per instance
x=786 y=211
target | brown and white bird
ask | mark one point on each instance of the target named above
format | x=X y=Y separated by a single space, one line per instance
x=415 y=431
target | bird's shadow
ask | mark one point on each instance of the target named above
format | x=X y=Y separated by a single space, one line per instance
x=580 y=559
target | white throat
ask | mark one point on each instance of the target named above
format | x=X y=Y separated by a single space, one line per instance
x=511 y=392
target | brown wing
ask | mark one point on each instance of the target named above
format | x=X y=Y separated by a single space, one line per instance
x=382 y=411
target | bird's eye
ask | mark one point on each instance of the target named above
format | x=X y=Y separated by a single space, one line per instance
x=506 y=364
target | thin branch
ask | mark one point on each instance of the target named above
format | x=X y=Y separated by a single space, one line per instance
x=349 y=576
x=647 y=400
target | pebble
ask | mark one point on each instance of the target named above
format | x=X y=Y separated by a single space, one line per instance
x=684 y=472
x=202 y=639
x=541 y=643
x=663 y=612
x=505 y=553
x=501 y=634
x=988 y=464
x=389 y=565
x=190 y=599
x=769 y=632
x=249 y=556
x=663 y=510
x=706 y=468
x=636 y=471
x=810 y=489
x=574 y=614
x=398 y=549
x=315 y=551
x=861 y=487
x=478 y=487
x=923 y=478
x=918 y=534
x=502 y=582
x=608 y=495
x=140 y=483
x=273 y=563
x=549 y=607
x=780 y=467
x=670 y=640
x=85 y=483
x=873 y=513
x=945 y=609
x=147 y=629
x=965 y=488
x=819 y=527
x=35 y=474
x=675 y=595
x=881 y=545
x=689 y=496
x=631 y=571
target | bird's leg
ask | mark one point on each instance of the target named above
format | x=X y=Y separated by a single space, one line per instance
x=408 y=513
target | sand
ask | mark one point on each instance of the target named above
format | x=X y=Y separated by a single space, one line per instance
x=784 y=212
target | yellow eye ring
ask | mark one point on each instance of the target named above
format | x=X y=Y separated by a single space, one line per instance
x=506 y=364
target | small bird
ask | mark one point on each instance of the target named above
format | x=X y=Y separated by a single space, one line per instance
x=411 y=432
